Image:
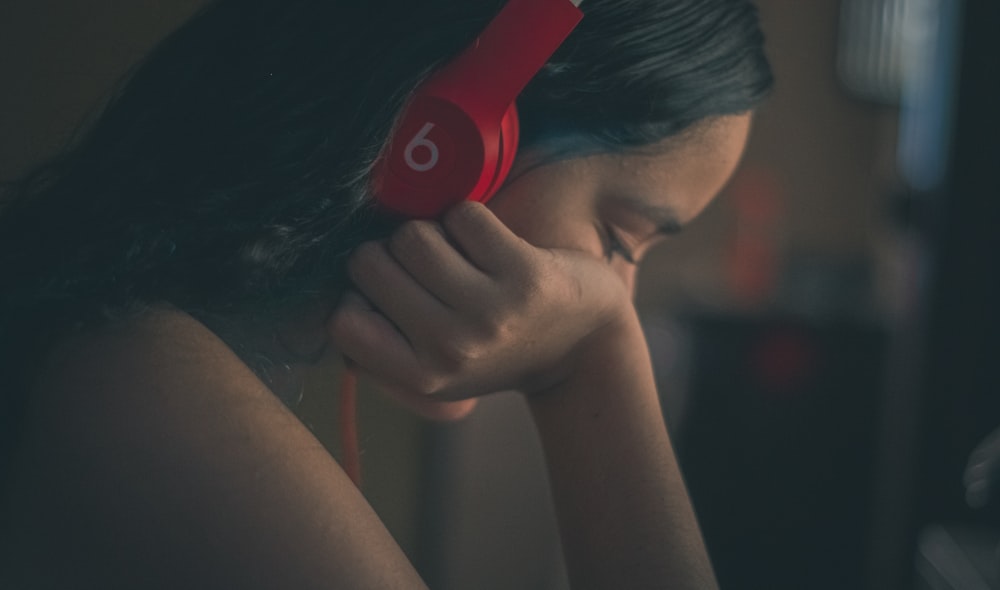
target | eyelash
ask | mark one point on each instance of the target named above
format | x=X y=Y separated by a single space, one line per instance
x=614 y=245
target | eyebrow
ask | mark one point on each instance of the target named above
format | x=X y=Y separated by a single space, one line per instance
x=664 y=218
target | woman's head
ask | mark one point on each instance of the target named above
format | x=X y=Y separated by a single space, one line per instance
x=230 y=175
x=232 y=168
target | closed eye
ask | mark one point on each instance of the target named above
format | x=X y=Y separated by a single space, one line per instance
x=614 y=245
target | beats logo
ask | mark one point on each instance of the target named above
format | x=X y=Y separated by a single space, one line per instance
x=421 y=141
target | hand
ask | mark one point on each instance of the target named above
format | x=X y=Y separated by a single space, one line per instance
x=464 y=308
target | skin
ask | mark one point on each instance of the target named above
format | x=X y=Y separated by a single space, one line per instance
x=540 y=302
x=153 y=457
x=642 y=198
x=587 y=204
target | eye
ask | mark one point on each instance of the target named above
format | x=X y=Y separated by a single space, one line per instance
x=615 y=245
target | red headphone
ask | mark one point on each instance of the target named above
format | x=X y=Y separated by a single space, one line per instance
x=458 y=136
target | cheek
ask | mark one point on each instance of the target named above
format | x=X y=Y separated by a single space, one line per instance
x=522 y=211
x=548 y=223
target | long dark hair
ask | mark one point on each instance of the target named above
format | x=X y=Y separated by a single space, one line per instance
x=228 y=176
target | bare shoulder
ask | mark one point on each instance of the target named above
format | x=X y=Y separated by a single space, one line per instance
x=163 y=358
x=162 y=344
x=155 y=457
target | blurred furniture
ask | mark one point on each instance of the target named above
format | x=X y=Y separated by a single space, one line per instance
x=777 y=447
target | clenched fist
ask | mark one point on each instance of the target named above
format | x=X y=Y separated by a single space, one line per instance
x=464 y=307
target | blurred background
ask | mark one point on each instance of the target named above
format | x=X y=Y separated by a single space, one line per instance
x=825 y=336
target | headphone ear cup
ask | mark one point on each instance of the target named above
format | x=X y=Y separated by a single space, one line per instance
x=458 y=137
x=510 y=133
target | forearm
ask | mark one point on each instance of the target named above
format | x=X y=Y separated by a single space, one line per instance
x=624 y=513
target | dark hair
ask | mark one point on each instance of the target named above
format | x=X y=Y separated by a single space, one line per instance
x=229 y=175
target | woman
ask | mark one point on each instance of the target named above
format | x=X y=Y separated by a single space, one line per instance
x=216 y=223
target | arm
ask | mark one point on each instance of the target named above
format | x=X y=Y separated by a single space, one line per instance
x=157 y=459
x=492 y=313
x=623 y=510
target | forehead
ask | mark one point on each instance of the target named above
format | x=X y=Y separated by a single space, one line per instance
x=681 y=173
x=676 y=178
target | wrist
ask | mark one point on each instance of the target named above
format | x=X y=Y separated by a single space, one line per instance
x=614 y=355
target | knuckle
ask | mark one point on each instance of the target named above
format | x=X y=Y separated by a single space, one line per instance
x=500 y=330
x=457 y=354
x=464 y=213
x=528 y=270
x=411 y=235
x=428 y=383
x=496 y=323
x=364 y=256
x=531 y=286
x=366 y=253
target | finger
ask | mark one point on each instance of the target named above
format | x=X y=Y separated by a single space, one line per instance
x=393 y=291
x=365 y=336
x=429 y=407
x=424 y=251
x=485 y=240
